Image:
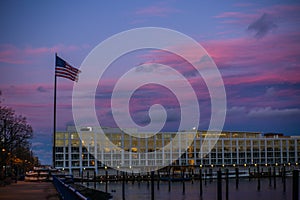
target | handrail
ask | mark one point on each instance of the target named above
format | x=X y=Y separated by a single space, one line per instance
x=66 y=191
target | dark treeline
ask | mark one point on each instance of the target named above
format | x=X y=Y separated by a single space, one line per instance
x=15 y=134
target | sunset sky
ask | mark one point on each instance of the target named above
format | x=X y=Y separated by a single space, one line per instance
x=255 y=45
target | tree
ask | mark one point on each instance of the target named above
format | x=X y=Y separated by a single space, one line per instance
x=15 y=133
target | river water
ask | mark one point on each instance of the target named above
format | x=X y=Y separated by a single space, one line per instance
x=246 y=190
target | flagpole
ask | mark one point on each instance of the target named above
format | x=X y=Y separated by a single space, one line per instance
x=54 y=117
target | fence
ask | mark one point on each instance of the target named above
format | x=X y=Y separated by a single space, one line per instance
x=67 y=192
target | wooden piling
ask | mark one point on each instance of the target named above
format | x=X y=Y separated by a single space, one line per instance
x=133 y=177
x=284 y=181
x=249 y=172
x=148 y=176
x=201 y=189
x=219 y=184
x=106 y=180
x=274 y=175
x=270 y=175
x=152 y=185
x=183 y=182
x=226 y=179
x=210 y=175
x=205 y=176
x=237 y=178
x=192 y=176
x=295 y=185
x=95 y=179
x=258 y=179
x=158 y=179
x=123 y=185
x=169 y=175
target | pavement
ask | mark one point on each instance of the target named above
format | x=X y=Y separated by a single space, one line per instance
x=29 y=191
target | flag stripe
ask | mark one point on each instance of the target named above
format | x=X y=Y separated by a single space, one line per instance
x=60 y=69
x=58 y=73
x=65 y=70
x=68 y=77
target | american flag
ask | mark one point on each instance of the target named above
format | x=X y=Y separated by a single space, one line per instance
x=65 y=70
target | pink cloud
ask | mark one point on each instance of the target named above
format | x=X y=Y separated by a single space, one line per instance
x=156 y=10
x=36 y=104
x=16 y=55
x=280 y=13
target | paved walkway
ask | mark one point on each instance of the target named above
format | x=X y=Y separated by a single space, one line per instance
x=29 y=191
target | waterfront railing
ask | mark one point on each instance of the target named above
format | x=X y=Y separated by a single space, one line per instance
x=66 y=191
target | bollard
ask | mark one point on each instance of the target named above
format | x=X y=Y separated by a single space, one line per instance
x=226 y=178
x=152 y=185
x=237 y=178
x=219 y=185
x=295 y=185
x=123 y=186
x=201 y=192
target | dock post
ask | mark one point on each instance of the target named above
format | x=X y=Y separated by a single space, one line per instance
x=258 y=178
x=270 y=176
x=123 y=185
x=148 y=176
x=295 y=185
x=249 y=172
x=226 y=179
x=169 y=175
x=219 y=185
x=205 y=176
x=139 y=179
x=284 y=181
x=183 y=182
x=152 y=185
x=237 y=178
x=158 y=179
x=95 y=179
x=274 y=175
x=193 y=176
x=200 y=174
x=106 y=181
x=210 y=175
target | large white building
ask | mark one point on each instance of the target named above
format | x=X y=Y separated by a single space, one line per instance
x=84 y=150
